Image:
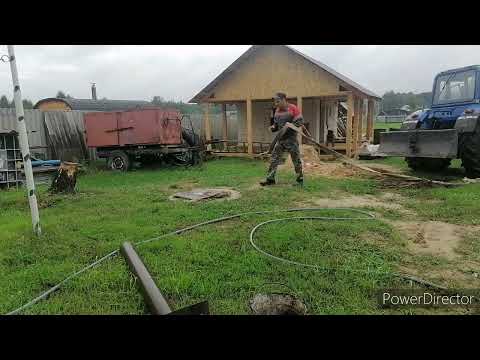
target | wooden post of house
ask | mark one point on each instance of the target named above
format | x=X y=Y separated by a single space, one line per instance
x=224 y=126
x=249 y=127
x=360 y=125
x=355 y=126
x=350 y=115
x=370 y=123
x=207 y=126
x=317 y=122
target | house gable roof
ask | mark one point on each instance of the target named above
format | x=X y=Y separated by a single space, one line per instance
x=252 y=50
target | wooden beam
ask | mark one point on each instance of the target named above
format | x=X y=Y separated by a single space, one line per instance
x=350 y=114
x=224 y=124
x=333 y=94
x=207 y=125
x=339 y=146
x=232 y=154
x=355 y=126
x=326 y=157
x=250 y=126
x=360 y=121
x=318 y=120
x=370 y=123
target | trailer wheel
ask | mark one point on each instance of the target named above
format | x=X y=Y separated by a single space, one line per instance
x=428 y=164
x=190 y=137
x=195 y=141
x=470 y=153
x=119 y=161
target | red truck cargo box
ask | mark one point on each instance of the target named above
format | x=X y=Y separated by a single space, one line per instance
x=133 y=127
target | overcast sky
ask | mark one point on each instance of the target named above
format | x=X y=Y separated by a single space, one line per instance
x=179 y=71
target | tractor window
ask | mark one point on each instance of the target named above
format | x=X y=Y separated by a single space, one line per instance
x=455 y=88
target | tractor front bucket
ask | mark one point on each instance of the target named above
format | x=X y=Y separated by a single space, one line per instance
x=441 y=144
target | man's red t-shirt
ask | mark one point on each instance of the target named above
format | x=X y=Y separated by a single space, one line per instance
x=291 y=114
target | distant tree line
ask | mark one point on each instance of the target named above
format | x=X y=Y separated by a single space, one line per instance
x=392 y=100
x=184 y=108
x=62 y=95
x=6 y=104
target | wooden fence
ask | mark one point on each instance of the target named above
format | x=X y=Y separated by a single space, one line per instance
x=216 y=125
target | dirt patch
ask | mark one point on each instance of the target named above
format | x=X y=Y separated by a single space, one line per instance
x=312 y=165
x=446 y=276
x=277 y=304
x=386 y=201
x=432 y=237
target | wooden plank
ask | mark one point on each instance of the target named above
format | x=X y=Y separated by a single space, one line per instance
x=340 y=146
x=356 y=108
x=360 y=125
x=65 y=131
x=330 y=94
x=232 y=154
x=350 y=114
x=370 y=125
x=249 y=126
x=318 y=123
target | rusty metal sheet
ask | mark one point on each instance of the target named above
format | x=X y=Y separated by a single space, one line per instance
x=134 y=127
x=101 y=128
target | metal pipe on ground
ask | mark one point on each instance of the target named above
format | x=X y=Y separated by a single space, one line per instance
x=152 y=295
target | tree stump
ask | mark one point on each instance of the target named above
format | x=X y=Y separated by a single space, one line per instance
x=65 y=179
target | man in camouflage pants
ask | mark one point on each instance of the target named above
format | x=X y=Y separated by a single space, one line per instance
x=285 y=112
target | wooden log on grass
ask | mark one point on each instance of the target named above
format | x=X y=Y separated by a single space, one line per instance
x=66 y=178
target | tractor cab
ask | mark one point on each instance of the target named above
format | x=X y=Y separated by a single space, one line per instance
x=454 y=91
x=449 y=129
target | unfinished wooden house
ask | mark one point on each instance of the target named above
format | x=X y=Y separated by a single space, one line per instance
x=328 y=100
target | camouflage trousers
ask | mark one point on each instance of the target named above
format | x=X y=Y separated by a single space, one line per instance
x=278 y=158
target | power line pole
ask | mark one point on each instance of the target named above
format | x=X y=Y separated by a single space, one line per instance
x=22 y=132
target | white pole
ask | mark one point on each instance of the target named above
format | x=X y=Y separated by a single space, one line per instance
x=22 y=132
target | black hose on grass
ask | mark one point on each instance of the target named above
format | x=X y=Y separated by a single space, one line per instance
x=368 y=216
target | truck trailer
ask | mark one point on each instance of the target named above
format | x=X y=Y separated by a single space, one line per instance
x=143 y=135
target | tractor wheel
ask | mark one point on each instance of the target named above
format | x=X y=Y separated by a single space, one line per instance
x=470 y=153
x=119 y=161
x=428 y=164
x=413 y=163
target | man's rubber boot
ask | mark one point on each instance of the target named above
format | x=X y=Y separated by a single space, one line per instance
x=299 y=181
x=267 y=182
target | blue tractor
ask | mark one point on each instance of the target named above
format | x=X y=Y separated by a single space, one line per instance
x=449 y=129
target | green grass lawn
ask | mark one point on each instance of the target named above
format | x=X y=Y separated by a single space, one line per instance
x=216 y=262
x=380 y=125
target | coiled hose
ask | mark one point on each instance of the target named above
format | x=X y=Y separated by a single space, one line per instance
x=368 y=216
